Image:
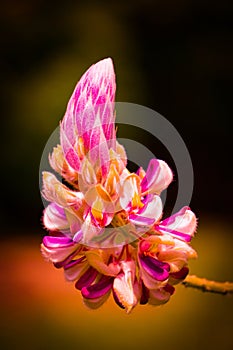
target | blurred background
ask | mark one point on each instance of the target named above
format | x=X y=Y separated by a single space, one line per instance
x=172 y=56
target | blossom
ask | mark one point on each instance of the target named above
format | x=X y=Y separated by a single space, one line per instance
x=105 y=226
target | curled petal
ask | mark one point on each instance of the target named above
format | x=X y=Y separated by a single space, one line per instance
x=55 y=218
x=54 y=191
x=60 y=165
x=95 y=303
x=57 y=249
x=87 y=278
x=99 y=289
x=154 y=267
x=149 y=214
x=57 y=160
x=181 y=225
x=158 y=177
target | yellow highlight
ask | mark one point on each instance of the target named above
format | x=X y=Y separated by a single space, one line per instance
x=112 y=179
x=97 y=209
x=136 y=201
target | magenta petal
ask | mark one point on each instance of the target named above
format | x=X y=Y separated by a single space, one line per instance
x=140 y=220
x=98 y=289
x=67 y=261
x=155 y=268
x=57 y=242
x=177 y=234
x=181 y=225
x=73 y=263
x=151 y=175
x=87 y=278
x=54 y=218
x=158 y=177
x=149 y=213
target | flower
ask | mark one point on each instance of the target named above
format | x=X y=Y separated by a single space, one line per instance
x=105 y=223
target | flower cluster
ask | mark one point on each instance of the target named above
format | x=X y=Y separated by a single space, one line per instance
x=105 y=223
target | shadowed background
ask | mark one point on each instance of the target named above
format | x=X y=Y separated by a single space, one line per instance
x=172 y=56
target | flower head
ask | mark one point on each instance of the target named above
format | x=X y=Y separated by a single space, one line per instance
x=105 y=223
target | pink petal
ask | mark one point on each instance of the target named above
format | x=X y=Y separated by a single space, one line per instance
x=181 y=225
x=55 y=219
x=149 y=214
x=158 y=177
x=57 y=249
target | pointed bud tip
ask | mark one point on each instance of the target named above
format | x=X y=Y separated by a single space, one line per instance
x=104 y=67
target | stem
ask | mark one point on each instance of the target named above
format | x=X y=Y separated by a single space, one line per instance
x=207 y=285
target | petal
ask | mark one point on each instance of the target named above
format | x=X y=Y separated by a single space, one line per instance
x=95 y=303
x=87 y=278
x=154 y=267
x=129 y=189
x=158 y=177
x=55 y=191
x=70 y=153
x=75 y=269
x=54 y=218
x=57 y=249
x=123 y=286
x=149 y=214
x=181 y=225
x=57 y=160
x=88 y=173
x=178 y=255
x=176 y=258
x=98 y=289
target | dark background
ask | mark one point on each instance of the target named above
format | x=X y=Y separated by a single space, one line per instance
x=174 y=56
